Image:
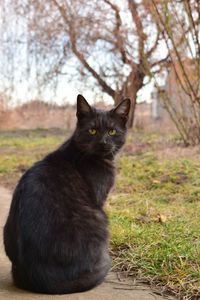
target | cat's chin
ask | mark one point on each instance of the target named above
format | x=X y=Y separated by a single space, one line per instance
x=105 y=154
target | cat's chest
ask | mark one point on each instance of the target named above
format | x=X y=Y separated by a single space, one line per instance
x=100 y=178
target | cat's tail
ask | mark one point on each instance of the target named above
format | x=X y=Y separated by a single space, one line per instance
x=48 y=283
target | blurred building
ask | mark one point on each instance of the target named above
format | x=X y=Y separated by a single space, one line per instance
x=177 y=90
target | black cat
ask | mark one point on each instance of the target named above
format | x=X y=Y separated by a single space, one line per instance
x=56 y=233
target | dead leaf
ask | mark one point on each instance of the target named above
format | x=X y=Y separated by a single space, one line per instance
x=162 y=218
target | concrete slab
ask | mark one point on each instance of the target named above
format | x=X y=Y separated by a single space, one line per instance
x=111 y=289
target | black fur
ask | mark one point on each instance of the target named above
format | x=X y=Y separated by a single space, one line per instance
x=56 y=233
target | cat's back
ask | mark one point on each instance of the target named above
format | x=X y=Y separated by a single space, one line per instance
x=61 y=190
x=51 y=198
x=52 y=181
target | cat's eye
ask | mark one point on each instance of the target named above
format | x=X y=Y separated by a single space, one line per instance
x=92 y=131
x=112 y=132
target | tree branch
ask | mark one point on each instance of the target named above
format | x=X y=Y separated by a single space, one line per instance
x=170 y=36
x=161 y=61
x=118 y=33
x=79 y=55
x=155 y=45
x=139 y=27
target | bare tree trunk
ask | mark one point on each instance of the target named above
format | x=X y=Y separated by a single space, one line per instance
x=132 y=112
x=130 y=89
x=120 y=97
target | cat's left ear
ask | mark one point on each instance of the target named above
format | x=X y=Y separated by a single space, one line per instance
x=82 y=106
x=123 y=109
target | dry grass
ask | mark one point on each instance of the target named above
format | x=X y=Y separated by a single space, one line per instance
x=38 y=114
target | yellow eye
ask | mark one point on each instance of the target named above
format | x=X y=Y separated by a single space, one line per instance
x=92 y=131
x=112 y=132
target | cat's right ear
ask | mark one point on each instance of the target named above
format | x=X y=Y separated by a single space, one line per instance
x=82 y=106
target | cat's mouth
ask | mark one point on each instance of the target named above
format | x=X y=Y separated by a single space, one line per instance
x=105 y=150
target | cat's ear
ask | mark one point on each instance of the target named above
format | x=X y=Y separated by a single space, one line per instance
x=82 y=106
x=122 y=109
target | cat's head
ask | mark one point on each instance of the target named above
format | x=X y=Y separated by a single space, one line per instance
x=101 y=132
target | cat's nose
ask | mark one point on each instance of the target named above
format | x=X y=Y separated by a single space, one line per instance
x=103 y=141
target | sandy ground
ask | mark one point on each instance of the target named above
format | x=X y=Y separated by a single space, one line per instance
x=112 y=289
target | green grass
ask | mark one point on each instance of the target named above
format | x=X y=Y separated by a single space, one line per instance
x=154 y=209
x=154 y=219
x=29 y=140
x=22 y=150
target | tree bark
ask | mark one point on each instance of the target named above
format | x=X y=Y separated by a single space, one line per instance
x=130 y=89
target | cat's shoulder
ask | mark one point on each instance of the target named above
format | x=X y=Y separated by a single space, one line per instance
x=51 y=165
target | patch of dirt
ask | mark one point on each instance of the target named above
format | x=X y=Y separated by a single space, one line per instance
x=39 y=132
x=178 y=152
x=9 y=181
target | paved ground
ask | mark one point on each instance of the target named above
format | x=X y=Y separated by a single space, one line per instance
x=111 y=289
